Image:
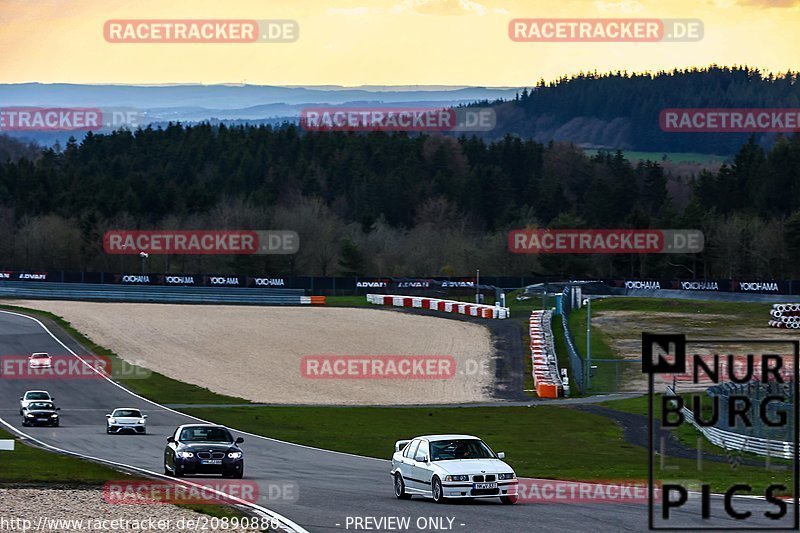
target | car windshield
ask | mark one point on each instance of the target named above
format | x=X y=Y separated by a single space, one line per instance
x=40 y=405
x=37 y=396
x=444 y=450
x=205 y=434
x=122 y=413
x=40 y=356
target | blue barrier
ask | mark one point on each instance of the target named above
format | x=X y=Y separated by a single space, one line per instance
x=150 y=293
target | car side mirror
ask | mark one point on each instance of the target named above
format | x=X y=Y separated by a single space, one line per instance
x=58 y=408
x=108 y=416
x=501 y=455
x=170 y=439
x=20 y=397
x=239 y=440
x=144 y=416
x=424 y=458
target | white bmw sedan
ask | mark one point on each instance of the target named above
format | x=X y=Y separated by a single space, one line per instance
x=451 y=466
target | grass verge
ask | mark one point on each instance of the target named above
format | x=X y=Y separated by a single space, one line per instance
x=543 y=441
x=29 y=465
x=747 y=312
x=686 y=433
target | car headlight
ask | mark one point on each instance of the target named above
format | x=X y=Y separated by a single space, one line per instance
x=185 y=455
x=456 y=478
x=235 y=455
x=54 y=415
x=512 y=475
x=28 y=415
x=112 y=421
x=141 y=421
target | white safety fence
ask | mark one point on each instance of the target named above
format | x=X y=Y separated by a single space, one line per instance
x=730 y=440
x=436 y=304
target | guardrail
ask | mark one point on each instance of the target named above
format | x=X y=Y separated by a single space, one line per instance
x=575 y=361
x=543 y=356
x=730 y=440
x=156 y=293
x=435 y=304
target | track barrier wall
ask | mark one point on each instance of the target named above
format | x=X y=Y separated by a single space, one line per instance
x=419 y=286
x=134 y=293
x=546 y=377
x=435 y=304
x=575 y=361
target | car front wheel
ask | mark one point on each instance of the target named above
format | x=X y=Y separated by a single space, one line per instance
x=400 y=488
x=436 y=491
x=508 y=500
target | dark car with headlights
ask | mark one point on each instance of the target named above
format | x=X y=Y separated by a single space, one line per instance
x=40 y=414
x=203 y=449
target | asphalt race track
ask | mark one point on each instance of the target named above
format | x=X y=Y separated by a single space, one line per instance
x=330 y=486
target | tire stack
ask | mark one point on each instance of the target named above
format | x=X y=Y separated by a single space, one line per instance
x=785 y=316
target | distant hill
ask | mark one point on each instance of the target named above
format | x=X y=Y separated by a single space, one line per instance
x=621 y=110
x=13 y=150
x=232 y=104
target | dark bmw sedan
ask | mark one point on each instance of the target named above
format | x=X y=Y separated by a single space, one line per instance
x=40 y=414
x=203 y=449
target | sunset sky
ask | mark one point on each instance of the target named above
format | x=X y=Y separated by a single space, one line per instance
x=380 y=42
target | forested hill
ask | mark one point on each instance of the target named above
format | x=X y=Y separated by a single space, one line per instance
x=621 y=110
x=13 y=149
x=389 y=204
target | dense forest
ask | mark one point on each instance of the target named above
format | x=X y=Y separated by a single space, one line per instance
x=621 y=110
x=391 y=204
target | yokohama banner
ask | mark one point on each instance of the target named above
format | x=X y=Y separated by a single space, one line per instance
x=399 y=285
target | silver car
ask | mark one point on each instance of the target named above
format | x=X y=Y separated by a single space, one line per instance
x=126 y=419
x=33 y=396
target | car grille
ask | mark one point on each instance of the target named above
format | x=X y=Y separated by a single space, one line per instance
x=487 y=478
x=210 y=455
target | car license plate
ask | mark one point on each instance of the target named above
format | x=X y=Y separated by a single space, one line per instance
x=484 y=486
x=211 y=462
